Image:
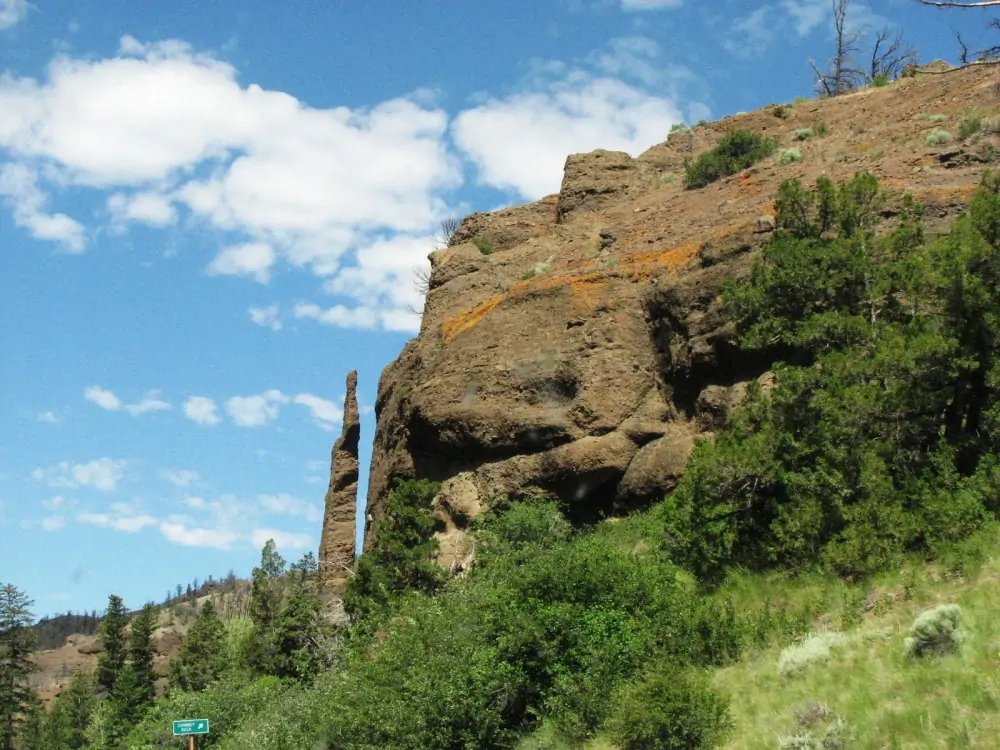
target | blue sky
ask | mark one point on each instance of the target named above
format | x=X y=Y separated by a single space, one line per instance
x=210 y=212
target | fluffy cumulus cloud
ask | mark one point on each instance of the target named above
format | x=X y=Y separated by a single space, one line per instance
x=180 y=477
x=263 y=408
x=201 y=410
x=101 y=474
x=106 y=399
x=520 y=142
x=164 y=129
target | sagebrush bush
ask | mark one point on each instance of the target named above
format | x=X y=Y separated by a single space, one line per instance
x=802 y=134
x=936 y=631
x=938 y=138
x=969 y=127
x=733 y=153
x=932 y=118
x=820 y=129
x=814 y=649
x=669 y=178
x=789 y=155
x=669 y=709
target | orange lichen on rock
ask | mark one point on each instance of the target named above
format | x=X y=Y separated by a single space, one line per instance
x=467 y=319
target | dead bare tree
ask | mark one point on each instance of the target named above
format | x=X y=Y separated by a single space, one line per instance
x=888 y=58
x=989 y=54
x=948 y=4
x=842 y=74
x=448 y=228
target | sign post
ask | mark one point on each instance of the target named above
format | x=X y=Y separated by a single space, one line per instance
x=189 y=728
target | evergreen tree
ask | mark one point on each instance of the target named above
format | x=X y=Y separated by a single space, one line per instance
x=17 y=641
x=112 y=635
x=142 y=650
x=129 y=701
x=265 y=587
x=202 y=657
x=34 y=731
x=70 y=714
x=297 y=636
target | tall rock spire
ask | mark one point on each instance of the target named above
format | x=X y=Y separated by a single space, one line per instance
x=336 y=547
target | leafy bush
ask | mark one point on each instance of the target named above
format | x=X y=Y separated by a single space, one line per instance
x=938 y=137
x=800 y=100
x=669 y=710
x=789 y=155
x=733 y=153
x=820 y=129
x=969 y=127
x=802 y=134
x=936 y=631
x=880 y=80
x=401 y=559
x=484 y=244
x=669 y=178
x=781 y=111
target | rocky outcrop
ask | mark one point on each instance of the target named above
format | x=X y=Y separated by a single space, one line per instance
x=583 y=354
x=336 y=550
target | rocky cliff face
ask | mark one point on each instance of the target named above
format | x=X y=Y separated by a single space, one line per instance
x=336 y=549
x=586 y=352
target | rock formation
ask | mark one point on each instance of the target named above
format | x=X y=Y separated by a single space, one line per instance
x=585 y=351
x=336 y=549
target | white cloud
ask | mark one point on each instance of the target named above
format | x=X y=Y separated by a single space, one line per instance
x=53 y=523
x=54 y=503
x=326 y=413
x=201 y=410
x=148 y=208
x=253 y=259
x=151 y=402
x=180 y=477
x=102 y=474
x=103 y=398
x=630 y=57
x=12 y=11
x=283 y=539
x=179 y=533
x=383 y=282
x=50 y=417
x=255 y=411
x=130 y=524
x=266 y=317
x=287 y=505
x=521 y=142
x=650 y=4
x=108 y=400
x=19 y=188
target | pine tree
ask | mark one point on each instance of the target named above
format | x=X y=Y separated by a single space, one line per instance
x=70 y=714
x=128 y=700
x=297 y=636
x=142 y=651
x=17 y=641
x=112 y=635
x=202 y=657
x=265 y=591
x=34 y=731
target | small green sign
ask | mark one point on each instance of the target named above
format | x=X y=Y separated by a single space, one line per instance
x=191 y=726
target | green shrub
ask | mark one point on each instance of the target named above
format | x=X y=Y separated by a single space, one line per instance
x=484 y=244
x=401 y=559
x=936 y=631
x=702 y=123
x=938 y=137
x=800 y=100
x=789 y=155
x=969 y=127
x=669 y=178
x=733 y=153
x=669 y=710
x=795 y=478
x=820 y=129
x=932 y=118
x=802 y=134
x=678 y=128
x=781 y=111
x=880 y=80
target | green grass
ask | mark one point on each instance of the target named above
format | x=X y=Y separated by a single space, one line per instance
x=932 y=118
x=483 y=243
x=669 y=178
x=820 y=129
x=888 y=700
x=969 y=127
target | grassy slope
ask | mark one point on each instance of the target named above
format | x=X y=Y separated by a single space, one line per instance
x=886 y=699
x=889 y=700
